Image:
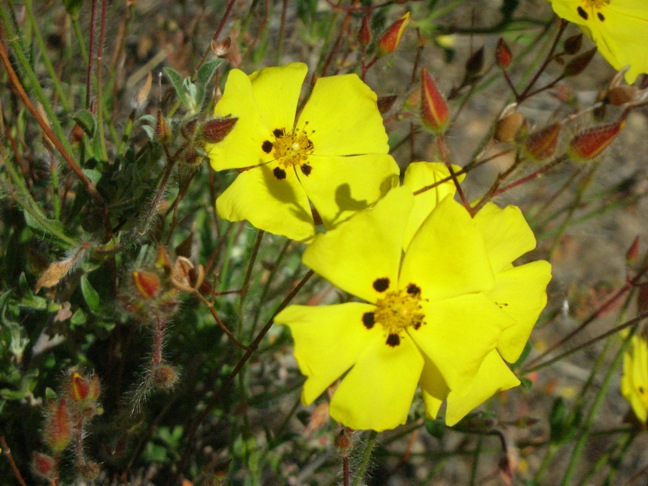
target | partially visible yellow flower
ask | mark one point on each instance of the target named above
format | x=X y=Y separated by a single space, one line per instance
x=619 y=28
x=333 y=156
x=634 y=383
x=444 y=314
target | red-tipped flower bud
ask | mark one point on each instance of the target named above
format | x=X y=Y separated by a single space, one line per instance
x=542 y=144
x=503 y=55
x=390 y=38
x=590 y=143
x=364 y=36
x=58 y=428
x=146 y=283
x=43 y=465
x=80 y=387
x=632 y=255
x=162 y=130
x=434 y=109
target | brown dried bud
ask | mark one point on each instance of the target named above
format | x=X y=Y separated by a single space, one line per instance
x=475 y=63
x=344 y=441
x=58 y=427
x=590 y=143
x=507 y=127
x=385 y=103
x=215 y=130
x=503 y=55
x=364 y=35
x=162 y=130
x=221 y=49
x=541 y=144
x=578 y=64
x=434 y=109
x=89 y=470
x=573 y=44
x=620 y=95
x=391 y=37
x=146 y=283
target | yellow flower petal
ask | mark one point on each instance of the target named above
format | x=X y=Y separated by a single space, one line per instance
x=278 y=206
x=634 y=383
x=242 y=146
x=458 y=334
x=618 y=27
x=493 y=376
x=447 y=256
x=521 y=294
x=351 y=127
x=433 y=388
x=276 y=90
x=340 y=186
x=367 y=247
x=506 y=234
x=328 y=341
x=377 y=393
x=419 y=175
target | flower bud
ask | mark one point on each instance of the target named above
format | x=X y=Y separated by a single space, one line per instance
x=58 y=428
x=632 y=255
x=146 y=283
x=162 y=130
x=590 y=143
x=215 y=130
x=221 y=49
x=573 y=44
x=507 y=127
x=390 y=38
x=344 y=441
x=164 y=376
x=89 y=470
x=44 y=465
x=578 y=64
x=80 y=387
x=364 y=35
x=434 y=109
x=541 y=144
x=503 y=55
x=620 y=95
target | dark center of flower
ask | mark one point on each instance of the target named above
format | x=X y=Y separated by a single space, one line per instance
x=395 y=312
x=592 y=5
x=290 y=149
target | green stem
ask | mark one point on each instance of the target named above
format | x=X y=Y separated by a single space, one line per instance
x=48 y=64
x=598 y=400
x=366 y=456
x=80 y=40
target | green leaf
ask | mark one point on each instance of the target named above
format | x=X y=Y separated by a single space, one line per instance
x=86 y=121
x=204 y=76
x=44 y=225
x=90 y=295
x=13 y=394
x=177 y=82
x=435 y=427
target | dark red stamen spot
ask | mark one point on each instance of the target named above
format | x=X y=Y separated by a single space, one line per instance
x=368 y=320
x=413 y=289
x=306 y=169
x=393 y=340
x=278 y=132
x=581 y=11
x=600 y=16
x=267 y=146
x=381 y=284
x=279 y=173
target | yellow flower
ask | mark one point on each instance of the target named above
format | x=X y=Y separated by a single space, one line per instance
x=333 y=157
x=619 y=29
x=634 y=384
x=444 y=306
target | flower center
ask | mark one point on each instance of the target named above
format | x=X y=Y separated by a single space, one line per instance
x=395 y=312
x=592 y=5
x=290 y=149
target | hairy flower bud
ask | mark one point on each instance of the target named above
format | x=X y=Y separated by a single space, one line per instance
x=364 y=35
x=503 y=55
x=434 y=109
x=164 y=376
x=146 y=283
x=216 y=130
x=391 y=37
x=541 y=144
x=44 y=465
x=591 y=143
x=58 y=428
